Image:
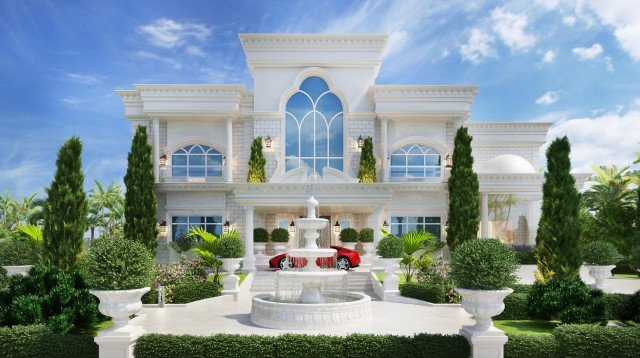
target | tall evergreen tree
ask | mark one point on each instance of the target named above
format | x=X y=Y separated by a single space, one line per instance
x=464 y=201
x=65 y=210
x=256 y=164
x=367 y=170
x=557 y=242
x=140 y=200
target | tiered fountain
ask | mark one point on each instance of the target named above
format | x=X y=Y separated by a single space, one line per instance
x=310 y=297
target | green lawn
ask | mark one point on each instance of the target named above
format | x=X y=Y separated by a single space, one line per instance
x=526 y=326
x=402 y=277
x=625 y=275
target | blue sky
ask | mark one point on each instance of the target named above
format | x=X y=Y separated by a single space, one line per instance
x=575 y=63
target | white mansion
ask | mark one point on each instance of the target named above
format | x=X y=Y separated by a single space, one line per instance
x=313 y=97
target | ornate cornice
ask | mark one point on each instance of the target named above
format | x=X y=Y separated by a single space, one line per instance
x=129 y=95
x=393 y=91
x=310 y=40
x=266 y=115
x=511 y=127
x=185 y=90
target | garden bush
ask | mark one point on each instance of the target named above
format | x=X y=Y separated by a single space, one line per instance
x=289 y=345
x=526 y=257
x=437 y=280
x=118 y=265
x=280 y=235
x=599 y=253
x=229 y=246
x=625 y=267
x=483 y=264
x=521 y=288
x=616 y=305
x=260 y=235
x=57 y=298
x=579 y=341
x=524 y=345
x=366 y=235
x=632 y=308
x=348 y=235
x=515 y=307
x=15 y=252
x=568 y=301
x=190 y=292
x=4 y=279
x=390 y=247
x=424 y=291
x=37 y=341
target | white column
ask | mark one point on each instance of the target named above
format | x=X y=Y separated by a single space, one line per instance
x=377 y=224
x=249 y=260
x=383 y=149
x=229 y=152
x=155 y=127
x=484 y=209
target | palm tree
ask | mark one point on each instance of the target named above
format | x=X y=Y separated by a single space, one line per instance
x=417 y=246
x=207 y=248
x=609 y=186
x=106 y=210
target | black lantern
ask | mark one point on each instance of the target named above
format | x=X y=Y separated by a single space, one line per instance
x=224 y=160
x=385 y=225
x=163 y=160
x=336 y=227
x=292 y=227
x=360 y=141
x=226 y=227
x=267 y=142
x=162 y=228
x=448 y=161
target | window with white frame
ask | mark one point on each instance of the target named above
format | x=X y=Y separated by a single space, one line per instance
x=415 y=162
x=313 y=124
x=401 y=225
x=196 y=161
x=180 y=225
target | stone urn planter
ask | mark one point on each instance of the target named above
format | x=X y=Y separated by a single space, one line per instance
x=391 y=280
x=483 y=304
x=600 y=273
x=230 y=280
x=120 y=304
x=18 y=270
x=259 y=247
x=280 y=247
x=369 y=247
x=349 y=245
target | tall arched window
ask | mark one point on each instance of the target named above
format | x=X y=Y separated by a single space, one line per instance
x=415 y=162
x=196 y=161
x=313 y=123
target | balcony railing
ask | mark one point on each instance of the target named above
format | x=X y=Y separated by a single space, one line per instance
x=177 y=174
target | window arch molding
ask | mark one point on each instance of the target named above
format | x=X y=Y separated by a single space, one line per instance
x=422 y=142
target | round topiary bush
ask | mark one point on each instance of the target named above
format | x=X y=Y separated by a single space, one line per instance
x=570 y=301
x=14 y=252
x=349 y=235
x=483 y=264
x=280 y=235
x=366 y=235
x=118 y=265
x=229 y=247
x=390 y=247
x=260 y=235
x=599 y=253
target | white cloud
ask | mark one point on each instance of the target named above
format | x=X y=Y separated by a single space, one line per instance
x=153 y=56
x=510 y=27
x=592 y=145
x=636 y=102
x=588 y=53
x=548 y=4
x=549 y=57
x=83 y=79
x=479 y=46
x=169 y=34
x=624 y=17
x=195 y=51
x=569 y=20
x=72 y=101
x=548 y=98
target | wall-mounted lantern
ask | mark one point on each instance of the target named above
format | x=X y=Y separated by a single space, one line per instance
x=385 y=225
x=226 y=227
x=162 y=228
x=360 y=142
x=224 y=160
x=292 y=227
x=267 y=142
x=163 y=160
x=337 y=227
x=448 y=161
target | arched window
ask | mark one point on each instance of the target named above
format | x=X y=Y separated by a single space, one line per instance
x=313 y=123
x=415 y=162
x=196 y=161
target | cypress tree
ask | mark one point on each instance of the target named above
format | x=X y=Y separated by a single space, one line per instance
x=367 y=170
x=256 y=164
x=557 y=242
x=140 y=201
x=65 y=210
x=464 y=201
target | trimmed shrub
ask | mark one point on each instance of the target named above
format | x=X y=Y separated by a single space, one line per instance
x=280 y=235
x=567 y=301
x=521 y=288
x=118 y=265
x=348 y=235
x=366 y=235
x=437 y=279
x=523 y=345
x=515 y=307
x=616 y=305
x=625 y=266
x=599 y=253
x=390 y=247
x=424 y=291
x=38 y=341
x=256 y=172
x=4 y=279
x=578 y=341
x=526 y=257
x=483 y=264
x=14 y=252
x=190 y=292
x=367 y=168
x=229 y=247
x=260 y=235
x=632 y=308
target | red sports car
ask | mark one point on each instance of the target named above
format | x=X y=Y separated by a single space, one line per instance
x=343 y=260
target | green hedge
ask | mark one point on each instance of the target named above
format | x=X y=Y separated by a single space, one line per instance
x=617 y=305
x=526 y=257
x=301 y=346
x=515 y=307
x=424 y=291
x=523 y=345
x=185 y=293
x=38 y=341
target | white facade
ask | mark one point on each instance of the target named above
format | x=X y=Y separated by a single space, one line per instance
x=223 y=120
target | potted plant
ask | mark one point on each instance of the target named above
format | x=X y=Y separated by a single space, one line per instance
x=599 y=257
x=230 y=249
x=260 y=239
x=18 y=256
x=390 y=249
x=483 y=270
x=280 y=238
x=119 y=272
x=349 y=238
x=366 y=238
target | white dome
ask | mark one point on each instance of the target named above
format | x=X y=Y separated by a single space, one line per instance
x=507 y=164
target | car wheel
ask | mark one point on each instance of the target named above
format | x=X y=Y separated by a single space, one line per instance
x=285 y=263
x=343 y=263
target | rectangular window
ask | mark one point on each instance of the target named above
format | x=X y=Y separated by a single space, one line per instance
x=180 y=225
x=400 y=225
x=345 y=224
x=283 y=224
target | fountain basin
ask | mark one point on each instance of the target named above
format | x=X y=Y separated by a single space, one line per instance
x=354 y=310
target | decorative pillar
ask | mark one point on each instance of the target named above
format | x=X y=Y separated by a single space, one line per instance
x=383 y=149
x=377 y=224
x=484 y=209
x=249 y=260
x=155 y=127
x=228 y=170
